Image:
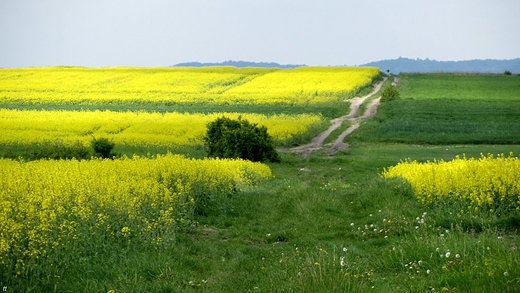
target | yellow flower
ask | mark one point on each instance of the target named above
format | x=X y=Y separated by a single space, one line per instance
x=486 y=181
x=300 y=86
x=146 y=192
x=125 y=231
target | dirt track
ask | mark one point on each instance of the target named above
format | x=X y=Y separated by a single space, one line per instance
x=317 y=142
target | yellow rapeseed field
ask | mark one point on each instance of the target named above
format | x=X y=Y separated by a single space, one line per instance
x=134 y=128
x=486 y=183
x=47 y=206
x=228 y=85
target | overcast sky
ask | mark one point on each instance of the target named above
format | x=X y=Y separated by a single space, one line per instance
x=312 y=32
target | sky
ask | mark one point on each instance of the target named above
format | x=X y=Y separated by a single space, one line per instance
x=97 y=33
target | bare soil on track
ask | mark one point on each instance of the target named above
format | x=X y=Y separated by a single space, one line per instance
x=317 y=143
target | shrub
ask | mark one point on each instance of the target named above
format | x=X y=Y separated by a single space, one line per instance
x=507 y=72
x=228 y=138
x=102 y=147
x=390 y=93
x=58 y=150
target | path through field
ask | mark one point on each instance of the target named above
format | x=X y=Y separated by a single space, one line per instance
x=317 y=142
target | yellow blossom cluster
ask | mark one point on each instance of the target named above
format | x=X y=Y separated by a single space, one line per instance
x=489 y=181
x=47 y=205
x=306 y=84
x=222 y=85
x=135 y=128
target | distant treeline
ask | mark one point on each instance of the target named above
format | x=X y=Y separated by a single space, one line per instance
x=239 y=64
x=427 y=65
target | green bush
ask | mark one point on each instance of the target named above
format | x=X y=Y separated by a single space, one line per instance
x=390 y=93
x=228 y=138
x=102 y=147
x=58 y=150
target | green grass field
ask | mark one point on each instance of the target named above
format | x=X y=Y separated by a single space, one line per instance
x=331 y=223
x=449 y=109
x=457 y=86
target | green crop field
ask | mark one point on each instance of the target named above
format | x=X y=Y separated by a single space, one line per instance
x=321 y=223
x=449 y=109
x=459 y=86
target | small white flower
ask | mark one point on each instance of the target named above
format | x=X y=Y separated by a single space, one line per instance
x=428 y=272
x=342 y=261
x=370 y=215
x=448 y=254
x=506 y=274
x=457 y=255
x=344 y=249
x=351 y=224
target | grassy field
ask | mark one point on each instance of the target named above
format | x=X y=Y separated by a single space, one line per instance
x=330 y=223
x=449 y=109
x=456 y=86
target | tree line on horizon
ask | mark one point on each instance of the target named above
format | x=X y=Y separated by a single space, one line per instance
x=401 y=64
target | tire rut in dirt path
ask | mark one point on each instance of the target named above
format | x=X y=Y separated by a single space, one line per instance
x=317 y=142
x=339 y=143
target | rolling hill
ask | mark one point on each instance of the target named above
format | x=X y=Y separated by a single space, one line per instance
x=427 y=65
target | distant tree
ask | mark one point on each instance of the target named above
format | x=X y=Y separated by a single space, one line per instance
x=390 y=93
x=102 y=147
x=507 y=72
x=228 y=138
